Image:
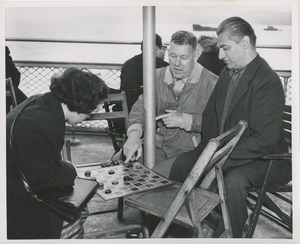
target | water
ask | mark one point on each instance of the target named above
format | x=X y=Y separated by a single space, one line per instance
x=125 y=24
x=278 y=59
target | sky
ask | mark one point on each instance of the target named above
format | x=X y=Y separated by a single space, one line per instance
x=124 y=23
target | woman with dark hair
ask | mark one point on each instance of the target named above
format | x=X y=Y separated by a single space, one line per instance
x=39 y=136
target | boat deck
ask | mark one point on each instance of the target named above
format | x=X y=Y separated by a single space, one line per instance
x=92 y=149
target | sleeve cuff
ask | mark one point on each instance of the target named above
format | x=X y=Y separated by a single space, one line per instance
x=187 y=121
x=136 y=127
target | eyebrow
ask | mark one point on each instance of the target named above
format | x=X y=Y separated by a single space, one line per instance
x=223 y=45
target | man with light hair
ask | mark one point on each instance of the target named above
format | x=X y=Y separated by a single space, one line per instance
x=182 y=91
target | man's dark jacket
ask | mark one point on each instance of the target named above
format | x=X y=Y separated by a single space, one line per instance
x=259 y=100
x=39 y=136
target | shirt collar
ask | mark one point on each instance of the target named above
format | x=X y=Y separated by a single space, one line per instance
x=182 y=80
x=235 y=71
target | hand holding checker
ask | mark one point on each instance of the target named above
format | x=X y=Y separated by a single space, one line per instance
x=132 y=146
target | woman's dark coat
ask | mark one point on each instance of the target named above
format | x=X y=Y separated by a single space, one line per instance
x=39 y=136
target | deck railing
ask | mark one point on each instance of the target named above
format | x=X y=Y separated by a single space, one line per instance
x=36 y=76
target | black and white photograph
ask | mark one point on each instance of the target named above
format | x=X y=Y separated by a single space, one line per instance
x=162 y=121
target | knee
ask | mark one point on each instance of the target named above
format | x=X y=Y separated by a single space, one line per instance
x=176 y=169
x=182 y=166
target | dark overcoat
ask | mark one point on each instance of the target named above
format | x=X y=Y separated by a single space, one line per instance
x=39 y=136
x=259 y=100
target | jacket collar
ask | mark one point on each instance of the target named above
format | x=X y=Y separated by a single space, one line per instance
x=193 y=77
x=242 y=86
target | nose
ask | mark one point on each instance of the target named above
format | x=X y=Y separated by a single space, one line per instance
x=221 y=53
x=177 y=61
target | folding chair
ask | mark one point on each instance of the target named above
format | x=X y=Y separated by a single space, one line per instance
x=186 y=204
x=66 y=151
x=118 y=103
x=263 y=203
x=109 y=116
x=10 y=92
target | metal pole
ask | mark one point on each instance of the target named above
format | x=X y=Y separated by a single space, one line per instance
x=149 y=84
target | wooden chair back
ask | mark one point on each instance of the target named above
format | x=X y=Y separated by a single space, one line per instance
x=109 y=115
x=287 y=124
x=212 y=159
x=66 y=151
x=259 y=201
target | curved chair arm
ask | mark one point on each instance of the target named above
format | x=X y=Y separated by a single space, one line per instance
x=287 y=156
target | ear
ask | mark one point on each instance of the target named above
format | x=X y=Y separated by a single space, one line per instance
x=197 y=55
x=156 y=49
x=246 y=41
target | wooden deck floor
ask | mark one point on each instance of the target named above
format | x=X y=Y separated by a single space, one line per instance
x=98 y=149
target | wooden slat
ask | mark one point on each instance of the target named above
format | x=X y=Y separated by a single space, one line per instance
x=105 y=116
x=287 y=117
x=177 y=205
x=159 y=200
x=288 y=108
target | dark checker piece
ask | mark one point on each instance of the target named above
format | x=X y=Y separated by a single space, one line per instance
x=87 y=173
x=107 y=191
x=126 y=178
x=111 y=172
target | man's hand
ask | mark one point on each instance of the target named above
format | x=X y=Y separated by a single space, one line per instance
x=171 y=119
x=133 y=145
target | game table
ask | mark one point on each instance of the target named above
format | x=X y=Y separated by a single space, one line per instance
x=117 y=180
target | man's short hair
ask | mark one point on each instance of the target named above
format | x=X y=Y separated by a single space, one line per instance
x=184 y=38
x=158 y=42
x=239 y=28
x=80 y=90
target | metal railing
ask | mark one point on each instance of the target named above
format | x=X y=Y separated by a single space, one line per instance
x=36 y=78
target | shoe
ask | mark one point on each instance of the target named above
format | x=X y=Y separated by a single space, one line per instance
x=134 y=234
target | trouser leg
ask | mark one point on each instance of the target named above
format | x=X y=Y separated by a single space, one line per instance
x=165 y=158
x=238 y=180
x=75 y=230
x=183 y=165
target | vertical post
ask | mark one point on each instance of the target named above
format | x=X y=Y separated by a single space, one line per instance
x=149 y=84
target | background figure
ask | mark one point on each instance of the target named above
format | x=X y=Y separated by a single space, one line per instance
x=132 y=79
x=248 y=89
x=182 y=90
x=12 y=72
x=39 y=136
x=209 y=52
x=132 y=72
